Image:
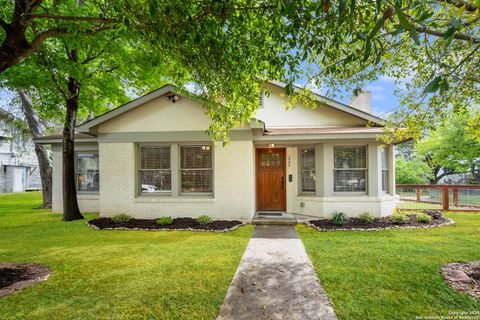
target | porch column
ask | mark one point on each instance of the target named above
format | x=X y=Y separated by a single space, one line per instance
x=391 y=169
x=324 y=169
x=175 y=172
x=374 y=167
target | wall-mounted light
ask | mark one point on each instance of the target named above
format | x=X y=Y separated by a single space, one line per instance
x=173 y=98
x=206 y=148
x=271 y=145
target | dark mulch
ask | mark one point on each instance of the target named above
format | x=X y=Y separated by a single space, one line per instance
x=178 y=223
x=378 y=223
x=17 y=276
x=10 y=276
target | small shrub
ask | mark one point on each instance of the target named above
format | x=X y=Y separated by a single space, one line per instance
x=435 y=214
x=366 y=217
x=121 y=218
x=164 y=221
x=423 y=218
x=204 y=220
x=339 y=218
x=399 y=218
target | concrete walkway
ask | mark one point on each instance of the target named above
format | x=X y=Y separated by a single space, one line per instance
x=275 y=280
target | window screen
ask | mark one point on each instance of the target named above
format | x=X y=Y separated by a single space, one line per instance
x=350 y=169
x=87 y=174
x=155 y=170
x=307 y=169
x=196 y=170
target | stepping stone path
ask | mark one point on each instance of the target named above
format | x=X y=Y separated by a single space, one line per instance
x=276 y=280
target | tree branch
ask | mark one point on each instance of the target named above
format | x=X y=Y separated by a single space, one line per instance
x=460 y=4
x=70 y=18
x=458 y=36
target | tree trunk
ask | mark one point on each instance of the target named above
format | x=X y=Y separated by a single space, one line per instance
x=36 y=131
x=70 y=204
x=475 y=173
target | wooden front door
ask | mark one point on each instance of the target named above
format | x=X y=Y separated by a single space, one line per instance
x=271 y=181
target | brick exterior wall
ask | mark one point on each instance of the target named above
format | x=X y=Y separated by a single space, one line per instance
x=233 y=185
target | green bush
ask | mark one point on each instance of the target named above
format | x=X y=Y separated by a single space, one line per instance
x=164 y=221
x=399 y=218
x=120 y=218
x=366 y=217
x=339 y=218
x=423 y=218
x=204 y=219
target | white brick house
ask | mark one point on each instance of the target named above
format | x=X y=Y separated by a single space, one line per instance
x=151 y=157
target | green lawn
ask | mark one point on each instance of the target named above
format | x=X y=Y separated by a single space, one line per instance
x=114 y=274
x=394 y=274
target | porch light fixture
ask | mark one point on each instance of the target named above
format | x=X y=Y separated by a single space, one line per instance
x=206 y=148
x=271 y=145
x=173 y=98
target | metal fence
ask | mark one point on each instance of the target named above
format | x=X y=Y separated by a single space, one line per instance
x=440 y=197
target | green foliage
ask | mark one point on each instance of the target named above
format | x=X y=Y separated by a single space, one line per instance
x=164 y=221
x=339 y=218
x=453 y=146
x=399 y=218
x=423 y=218
x=413 y=171
x=121 y=218
x=366 y=217
x=204 y=219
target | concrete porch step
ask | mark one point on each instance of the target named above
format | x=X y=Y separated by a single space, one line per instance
x=274 y=218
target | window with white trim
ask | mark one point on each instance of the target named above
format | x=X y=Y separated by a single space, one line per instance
x=87 y=174
x=350 y=169
x=384 y=159
x=307 y=169
x=196 y=169
x=155 y=172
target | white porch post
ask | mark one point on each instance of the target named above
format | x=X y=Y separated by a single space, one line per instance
x=324 y=169
x=391 y=170
x=374 y=167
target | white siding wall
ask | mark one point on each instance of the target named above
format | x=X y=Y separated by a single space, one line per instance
x=233 y=186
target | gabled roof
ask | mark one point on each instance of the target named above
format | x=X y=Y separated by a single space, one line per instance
x=337 y=105
x=58 y=138
x=86 y=126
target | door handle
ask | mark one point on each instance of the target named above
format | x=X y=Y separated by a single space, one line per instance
x=283 y=182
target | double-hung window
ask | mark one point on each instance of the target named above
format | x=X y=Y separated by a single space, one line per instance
x=196 y=169
x=350 y=169
x=307 y=169
x=154 y=170
x=384 y=159
x=87 y=174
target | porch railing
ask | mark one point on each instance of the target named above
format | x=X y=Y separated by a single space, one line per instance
x=440 y=197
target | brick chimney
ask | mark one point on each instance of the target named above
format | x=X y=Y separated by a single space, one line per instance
x=363 y=101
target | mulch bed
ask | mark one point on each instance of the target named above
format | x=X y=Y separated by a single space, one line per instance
x=178 y=224
x=17 y=276
x=356 y=224
x=463 y=277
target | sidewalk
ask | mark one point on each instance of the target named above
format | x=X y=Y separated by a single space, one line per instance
x=275 y=280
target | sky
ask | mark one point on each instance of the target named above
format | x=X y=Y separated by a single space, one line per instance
x=383 y=97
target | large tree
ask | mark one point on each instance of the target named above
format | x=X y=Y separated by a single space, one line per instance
x=452 y=148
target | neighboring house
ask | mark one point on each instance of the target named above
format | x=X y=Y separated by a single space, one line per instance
x=151 y=157
x=18 y=166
